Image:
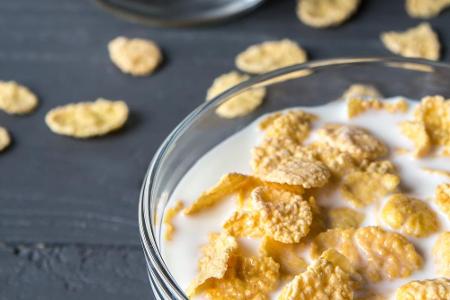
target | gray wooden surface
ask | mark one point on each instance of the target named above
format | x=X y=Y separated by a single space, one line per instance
x=68 y=208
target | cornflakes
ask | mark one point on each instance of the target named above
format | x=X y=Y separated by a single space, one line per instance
x=239 y=105
x=326 y=278
x=285 y=217
x=244 y=223
x=338 y=163
x=16 y=98
x=326 y=13
x=416 y=132
x=418 y=42
x=344 y=217
x=441 y=254
x=442 y=195
x=434 y=171
x=409 y=215
x=168 y=218
x=5 y=139
x=138 y=57
x=431 y=289
x=269 y=56
x=365 y=91
x=357 y=106
x=425 y=8
x=87 y=119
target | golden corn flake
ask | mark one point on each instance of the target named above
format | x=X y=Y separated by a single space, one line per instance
x=338 y=163
x=87 y=119
x=344 y=217
x=365 y=91
x=247 y=278
x=237 y=106
x=138 y=57
x=434 y=171
x=326 y=13
x=409 y=215
x=16 y=98
x=357 y=142
x=170 y=214
x=418 y=42
x=425 y=8
x=431 y=289
x=416 y=132
x=244 y=223
x=214 y=260
x=442 y=195
x=269 y=56
x=326 y=278
x=357 y=106
x=5 y=139
x=441 y=254
x=285 y=255
x=285 y=217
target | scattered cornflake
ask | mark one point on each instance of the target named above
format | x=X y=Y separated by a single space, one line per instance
x=251 y=277
x=326 y=13
x=431 y=289
x=411 y=216
x=439 y=172
x=244 y=223
x=344 y=217
x=5 y=139
x=170 y=214
x=426 y=8
x=416 y=132
x=327 y=278
x=418 y=42
x=138 y=57
x=285 y=217
x=356 y=141
x=227 y=185
x=358 y=90
x=16 y=98
x=441 y=254
x=357 y=106
x=269 y=56
x=214 y=260
x=87 y=119
x=442 y=198
x=338 y=163
x=285 y=255
x=240 y=105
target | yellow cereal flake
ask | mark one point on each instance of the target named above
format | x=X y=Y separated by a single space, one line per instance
x=326 y=13
x=364 y=91
x=229 y=184
x=411 y=216
x=441 y=254
x=416 y=132
x=269 y=56
x=431 y=289
x=251 y=277
x=5 y=139
x=285 y=255
x=357 y=106
x=170 y=214
x=138 y=57
x=285 y=217
x=338 y=163
x=344 y=217
x=239 y=105
x=214 y=261
x=442 y=198
x=426 y=8
x=326 y=278
x=357 y=142
x=434 y=171
x=418 y=42
x=87 y=119
x=16 y=98
x=244 y=223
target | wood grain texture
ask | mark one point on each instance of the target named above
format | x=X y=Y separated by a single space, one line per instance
x=78 y=199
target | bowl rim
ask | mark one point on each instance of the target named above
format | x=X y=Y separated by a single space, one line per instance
x=156 y=266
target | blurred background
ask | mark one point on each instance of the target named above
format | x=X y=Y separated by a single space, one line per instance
x=68 y=208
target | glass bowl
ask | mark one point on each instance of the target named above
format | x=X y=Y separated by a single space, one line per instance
x=309 y=84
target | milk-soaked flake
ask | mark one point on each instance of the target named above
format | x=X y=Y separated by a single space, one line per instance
x=16 y=98
x=426 y=8
x=441 y=254
x=442 y=198
x=326 y=13
x=5 y=139
x=431 y=289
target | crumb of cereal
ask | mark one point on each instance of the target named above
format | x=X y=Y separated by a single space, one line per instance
x=344 y=217
x=365 y=91
x=442 y=198
x=418 y=42
x=87 y=119
x=239 y=105
x=285 y=217
x=357 y=106
x=416 y=132
x=425 y=8
x=411 y=216
x=326 y=13
x=168 y=219
x=5 y=139
x=244 y=223
x=434 y=171
x=430 y=289
x=269 y=56
x=441 y=254
x=16 y=99
x=138 y=57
